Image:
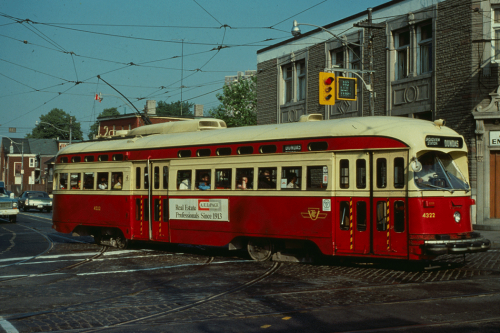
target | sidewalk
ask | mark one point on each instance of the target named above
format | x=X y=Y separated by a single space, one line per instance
x=493 y=236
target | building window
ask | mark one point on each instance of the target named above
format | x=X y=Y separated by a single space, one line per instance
x=355 y=58
x=337 y=57
x=294 y=82
x=495 y=45
x=402 y=43
x=32 y=162
x=424 y=34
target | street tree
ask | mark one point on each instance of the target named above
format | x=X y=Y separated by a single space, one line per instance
x=56 y=124
x=238 y=103
x=173 y=109
x=94 y=128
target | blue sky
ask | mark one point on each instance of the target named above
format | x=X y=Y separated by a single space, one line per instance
x=52 y=51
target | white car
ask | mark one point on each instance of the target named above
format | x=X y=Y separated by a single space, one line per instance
x=8 y=207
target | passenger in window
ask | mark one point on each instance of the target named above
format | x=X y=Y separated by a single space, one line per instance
x=265 y=180
x=185 y=184
x=103 y=185
x=63 y=184
x=118 y=184
x=204 y=183
x=89 y=183
x=243 y=183
x=292 y=181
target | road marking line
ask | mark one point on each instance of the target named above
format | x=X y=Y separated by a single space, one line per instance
x=7 y=327
x=56 y=256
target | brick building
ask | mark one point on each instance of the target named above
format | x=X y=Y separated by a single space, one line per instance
x=23 y=164
x=431 y=59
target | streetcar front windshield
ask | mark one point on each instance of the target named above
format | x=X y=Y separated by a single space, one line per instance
x=440 y=172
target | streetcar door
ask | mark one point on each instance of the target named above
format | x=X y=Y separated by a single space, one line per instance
x=389 y=203
x=159 y=223
x=140 y=187
x=352 y=200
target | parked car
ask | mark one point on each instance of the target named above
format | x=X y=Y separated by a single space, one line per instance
x=35 y=200
x=8 y=207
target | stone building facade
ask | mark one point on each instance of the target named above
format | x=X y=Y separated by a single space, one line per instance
x=431 y=59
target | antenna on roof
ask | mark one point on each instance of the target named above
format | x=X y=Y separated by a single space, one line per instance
x=144 y=116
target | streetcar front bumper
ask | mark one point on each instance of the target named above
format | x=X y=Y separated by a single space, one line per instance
x=457 y=246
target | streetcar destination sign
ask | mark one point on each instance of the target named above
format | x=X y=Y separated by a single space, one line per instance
x=443 y=142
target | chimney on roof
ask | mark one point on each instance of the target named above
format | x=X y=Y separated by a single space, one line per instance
x=198 y=110
x=150 y=107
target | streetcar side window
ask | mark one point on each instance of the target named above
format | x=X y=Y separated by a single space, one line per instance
x=165 y=177
x=360 y=173
x=118 y=157
x=381 y=215
x=361 y=215
x=291 y=178
x=267 y=178
x=381 y=173
x=344 y=174
x=244 y=179
x=184 y=179
x=138 y=210
x=89 y=158
x=75 y=181
x=344 y=215
x=203 y=180
x=76 y=159
x=156 y=177
x=267 y=149
x=165 y=210
x=146 y=178
x=63 y=181
x=184 y=153
x=245 y=150
x=223 y=151
x=103 y=158
x=399 y=172
x=103 y=180
x=157 y=210
x=63 y=160
x=117 y=180
x=146 y=210
x=223 y=179
x=399 y=216
x=203 y=152
x=138 y=178
x=88 y=181
x=317 y=178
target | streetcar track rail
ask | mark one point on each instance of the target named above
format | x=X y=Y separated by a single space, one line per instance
x=248 y=284
x=136 y=292
x=80 y=263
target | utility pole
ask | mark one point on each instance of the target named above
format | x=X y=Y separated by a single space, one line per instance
x=370 y=25
x=70 y=123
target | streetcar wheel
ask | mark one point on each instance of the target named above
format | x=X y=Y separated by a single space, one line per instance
x=97 y=239
x=260 y=249
x=122 y=242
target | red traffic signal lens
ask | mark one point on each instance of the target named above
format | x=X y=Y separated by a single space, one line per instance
x=329 y=80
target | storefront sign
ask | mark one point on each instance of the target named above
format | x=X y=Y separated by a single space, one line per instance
x=199 y=209
x=494 y=138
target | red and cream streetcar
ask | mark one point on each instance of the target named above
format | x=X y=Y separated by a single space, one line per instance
x=385 y=187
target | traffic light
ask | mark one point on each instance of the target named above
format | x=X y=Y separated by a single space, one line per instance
x=347 y=88
x=326 y=88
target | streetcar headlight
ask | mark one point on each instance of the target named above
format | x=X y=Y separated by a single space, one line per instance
x=457 y=217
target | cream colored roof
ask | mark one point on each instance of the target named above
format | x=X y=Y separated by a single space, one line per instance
x=410 y=131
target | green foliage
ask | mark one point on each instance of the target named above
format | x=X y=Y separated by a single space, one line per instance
x=238 y=104
x=94 y=129
x=56 y=124
x=173 y=109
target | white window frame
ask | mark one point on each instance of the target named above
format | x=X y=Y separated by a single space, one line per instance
x=422 y=45
x=399 y=72
x=296 y=82
x=495 y=34
x=32 y=162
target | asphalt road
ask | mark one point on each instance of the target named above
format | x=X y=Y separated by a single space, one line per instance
x=51 y=282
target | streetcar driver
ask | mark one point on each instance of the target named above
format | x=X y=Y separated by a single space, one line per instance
x=427 y=173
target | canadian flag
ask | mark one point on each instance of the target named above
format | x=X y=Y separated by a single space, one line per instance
x=98 y=98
